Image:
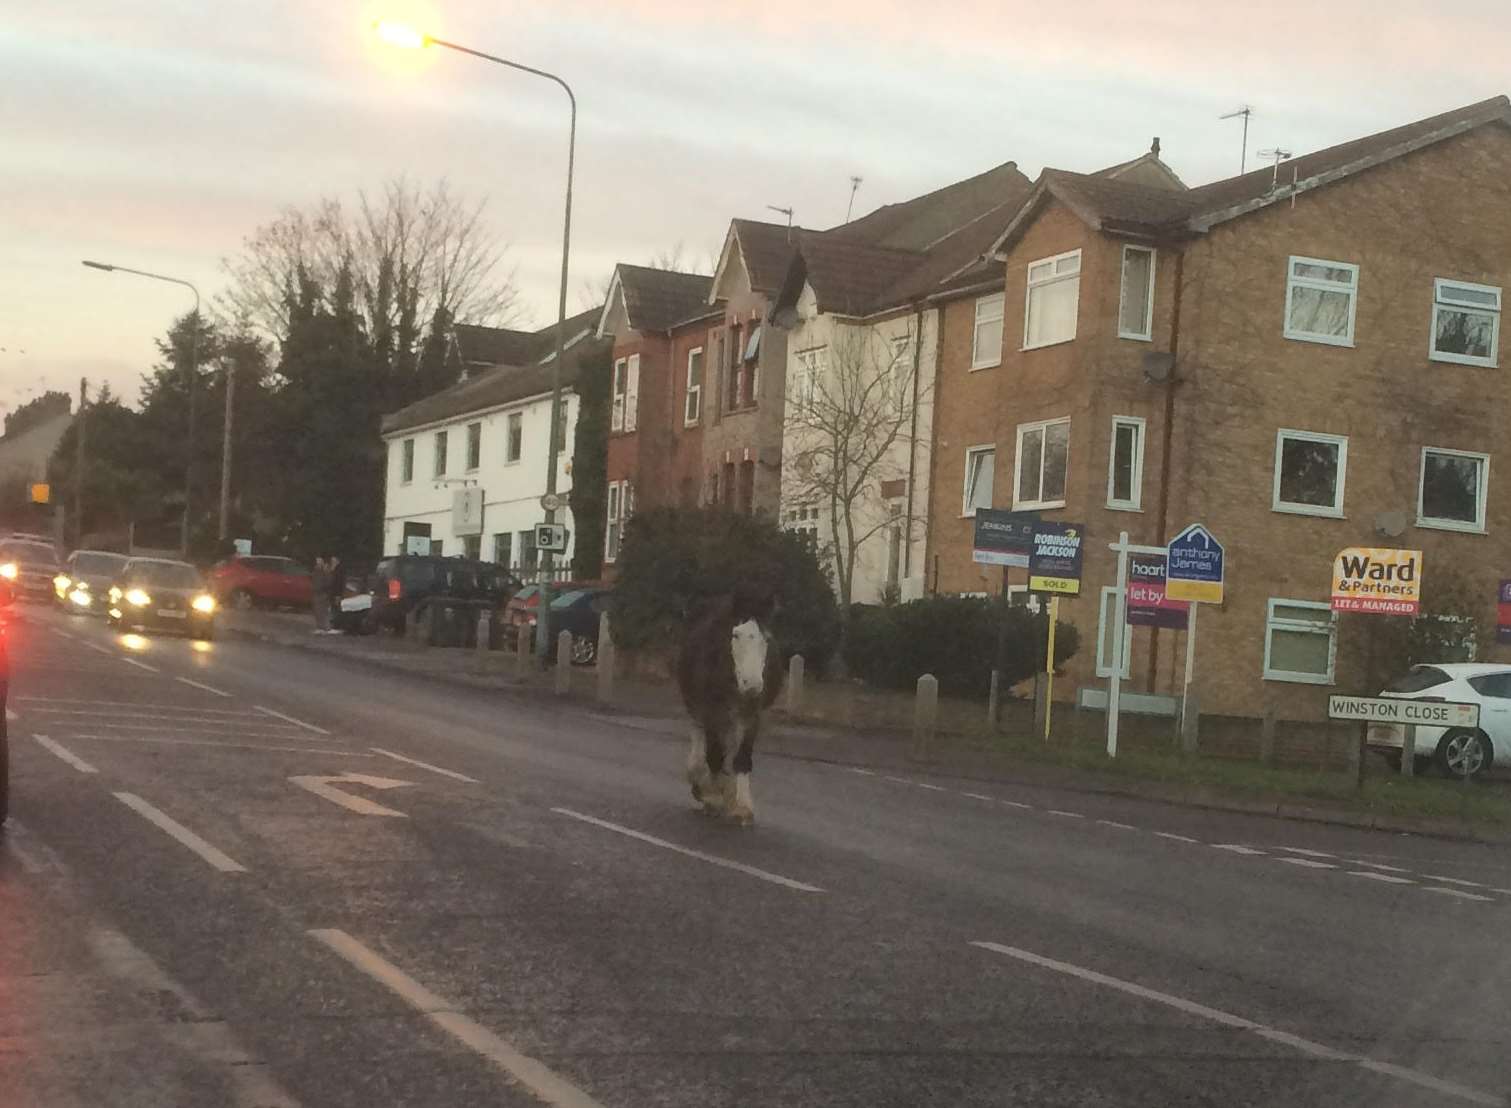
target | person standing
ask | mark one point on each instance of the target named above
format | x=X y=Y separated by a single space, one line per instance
x=320 y=594
x=336 y=591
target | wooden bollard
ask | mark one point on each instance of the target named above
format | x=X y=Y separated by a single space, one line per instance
x=605 y=660
x=795 y=675
x=925 y=715
x=1409 y=751
x=563 y=663
x=524 y=645
x=1267 y=737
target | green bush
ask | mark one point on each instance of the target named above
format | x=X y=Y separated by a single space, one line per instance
x=953 y=637
x=675 y=560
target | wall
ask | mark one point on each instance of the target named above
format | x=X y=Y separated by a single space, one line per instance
x=512 y=490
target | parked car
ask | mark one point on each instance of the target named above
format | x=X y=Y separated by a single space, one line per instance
x=1457 y=752
x=30 y=567
x=85 y=579
x=7 y=593
x=524 y=605
x=577 y=612
x=404 y=581
x=158 y=594
x=262 y=581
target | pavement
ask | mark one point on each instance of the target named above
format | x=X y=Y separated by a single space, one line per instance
x=242 y=875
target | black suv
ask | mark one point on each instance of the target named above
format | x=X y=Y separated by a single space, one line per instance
x=402 y=583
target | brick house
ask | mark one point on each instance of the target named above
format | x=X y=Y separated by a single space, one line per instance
x=660 y=324
x=1304 y=358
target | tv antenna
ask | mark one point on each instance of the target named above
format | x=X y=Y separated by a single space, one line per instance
x=854 y=187
x=1243 y=158
x=1279 y=156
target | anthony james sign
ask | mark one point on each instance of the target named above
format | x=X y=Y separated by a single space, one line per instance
x=1370 y=579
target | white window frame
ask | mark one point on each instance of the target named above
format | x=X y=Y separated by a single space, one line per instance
x=1148 y=333
x=440 y=451
x=1478 y=527
x=1292 y=283
x=474 y=431
x=510 y=458
x=986 y=359
x=1136 y=502
x=967 y=510
x=1442 y=302
x=406 y=462
x=1334 y=512
x=632 y=394
x=1055 y=276
x=812 y=363
x=617 y=391
x=1105 y=615
x=692 y=406
x=1042 y=426
x=1271 y=624
x=613 y=531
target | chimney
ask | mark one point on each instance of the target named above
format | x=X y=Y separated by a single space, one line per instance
x=1154 y=146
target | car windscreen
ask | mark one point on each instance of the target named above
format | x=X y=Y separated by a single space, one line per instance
x=265 y=564
x=418 y=575
x=165 y=575
x=98 y=565
x=1418 y=679
x=567 y=599
x=29 y=554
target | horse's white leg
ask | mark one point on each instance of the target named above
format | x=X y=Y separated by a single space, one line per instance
x=743 y=808
x=697 y=764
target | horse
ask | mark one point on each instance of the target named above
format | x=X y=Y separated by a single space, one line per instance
x=730 y=670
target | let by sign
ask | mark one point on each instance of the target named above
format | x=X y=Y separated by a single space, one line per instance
x=1423 y=713
x=1383 y=581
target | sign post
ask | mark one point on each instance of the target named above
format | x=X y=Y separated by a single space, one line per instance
x=1003 y=539
x=1054 y=567
x=1119 y=610
x=1196 y=570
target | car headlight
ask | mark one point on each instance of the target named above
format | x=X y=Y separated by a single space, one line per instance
x=81 y=597
x=138 y=598
x=8 y=571
x=205 y=603
x=60 y=583
x=115 y=595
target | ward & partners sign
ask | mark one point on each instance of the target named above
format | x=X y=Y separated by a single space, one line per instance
x=1383 y=581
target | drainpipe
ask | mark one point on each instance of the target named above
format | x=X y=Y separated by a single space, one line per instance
x=907 y=548
x=1167 y=435
x=939 y=310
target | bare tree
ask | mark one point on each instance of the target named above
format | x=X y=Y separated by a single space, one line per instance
x=412 y=254
x=593 y=291
x=849 y=427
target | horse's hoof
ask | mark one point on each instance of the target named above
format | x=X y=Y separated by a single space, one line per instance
x=741 y=815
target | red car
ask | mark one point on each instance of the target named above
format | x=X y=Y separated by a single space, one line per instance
x=261 y=581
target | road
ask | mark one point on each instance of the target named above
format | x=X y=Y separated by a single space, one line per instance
x=245 y=875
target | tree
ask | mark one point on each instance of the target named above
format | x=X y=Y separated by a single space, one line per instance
x=38 y=410
x=590 y=450
x=848 y=427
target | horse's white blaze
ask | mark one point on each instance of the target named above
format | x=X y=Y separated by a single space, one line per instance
x=747 y=646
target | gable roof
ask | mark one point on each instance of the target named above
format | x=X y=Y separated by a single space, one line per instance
x=488 y=346
x=766 y=248
x=657 y=299
x=1146 y=169
x=1121 y=207
x=923 y=221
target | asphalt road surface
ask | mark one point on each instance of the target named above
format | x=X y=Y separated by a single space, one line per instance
x=244 y=875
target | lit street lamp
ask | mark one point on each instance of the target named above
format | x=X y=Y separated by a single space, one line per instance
x=398 y=34
x=193 y=374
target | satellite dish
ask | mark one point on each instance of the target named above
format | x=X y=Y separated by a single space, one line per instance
x=1158 y=366
x=1391 y=524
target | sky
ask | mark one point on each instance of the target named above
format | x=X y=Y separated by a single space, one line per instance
x=160 y=134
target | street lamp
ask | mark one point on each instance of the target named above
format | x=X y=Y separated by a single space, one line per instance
x=399 y=34
x=193 y=374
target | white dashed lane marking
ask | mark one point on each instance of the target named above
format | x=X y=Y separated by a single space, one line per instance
x=1061 y=812
x=164 y=822
x=64 y=754
x=1178 y=838
x=1460 y=893
x=1453 y=881
x=1119 y=826
x=1236 y=848
x=1386 y=877
x=453 y=774
x=1307 y=863
x=1308 y=853
x=201 y=685
x=291 y=719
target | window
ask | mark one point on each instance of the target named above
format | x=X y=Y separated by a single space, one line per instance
x=980 y=461
x=1043 y=460
x=1136 y=310
x=1054 y=293
x=802 y=520
x=735 y=367
x=1300 y=642
x=437 y=546
x=986 y=342
x=1105 y=641
x=1451 y=495
x=516 y=442
x=472 y=546
x=1465 y=322
x=752 y=368
x=529 y=553
x=621 y=374
x=1320 y=298
x=1494 y=685
x=503 y=547
x=1309 y=473
x=811 y=368
x=561 y=423
x=406 y=462
x=621 y=503
x=1125 y=469
x=440 y=454
x=632 y=393
x=694 y=387
x=474 y=445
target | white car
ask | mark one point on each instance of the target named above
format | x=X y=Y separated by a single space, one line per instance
x=1458 y=752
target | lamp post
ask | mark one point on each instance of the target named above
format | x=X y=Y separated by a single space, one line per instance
x=397 y=34
x=193 y=375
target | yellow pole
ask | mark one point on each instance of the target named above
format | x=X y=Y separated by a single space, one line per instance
x=1049 y=664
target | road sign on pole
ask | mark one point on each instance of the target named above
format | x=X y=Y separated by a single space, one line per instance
x=1194 y=566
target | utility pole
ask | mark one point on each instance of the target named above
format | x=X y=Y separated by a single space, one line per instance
x=80 y=424
x=225 y=448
